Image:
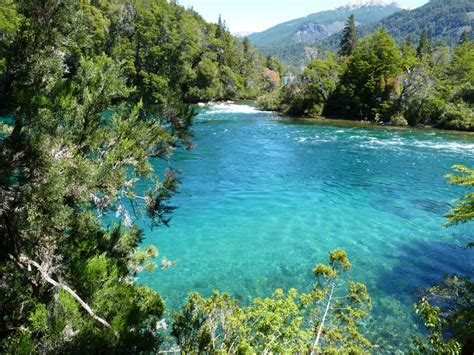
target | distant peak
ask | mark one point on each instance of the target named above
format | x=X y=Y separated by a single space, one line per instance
x=358 y=4
x=242 y=34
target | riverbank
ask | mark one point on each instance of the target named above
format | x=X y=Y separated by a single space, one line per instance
x=368 y=124
x=335 y=121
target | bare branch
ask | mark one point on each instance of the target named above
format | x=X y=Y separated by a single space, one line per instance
x=321 y=326
x=23 y=260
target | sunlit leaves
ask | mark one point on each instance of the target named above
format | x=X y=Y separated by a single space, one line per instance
x=286 y=322
x=463 y=211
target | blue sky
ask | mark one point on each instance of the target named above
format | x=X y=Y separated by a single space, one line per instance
x=257 y=15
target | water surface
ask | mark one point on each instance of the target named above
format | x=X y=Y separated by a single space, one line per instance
x=263 y=199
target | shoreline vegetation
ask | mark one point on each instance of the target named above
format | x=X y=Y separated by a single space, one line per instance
x=368 y=124
x=338 y=121
x=99 y=91
x=378 y=80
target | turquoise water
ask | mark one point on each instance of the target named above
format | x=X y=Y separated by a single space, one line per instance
x=263 y=199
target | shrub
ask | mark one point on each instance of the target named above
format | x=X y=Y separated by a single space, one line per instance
x=457 y=116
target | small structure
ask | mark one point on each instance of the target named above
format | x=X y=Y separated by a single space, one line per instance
x=288 y=78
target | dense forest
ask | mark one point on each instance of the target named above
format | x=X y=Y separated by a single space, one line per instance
x=166 y=52
x=93 y=92
x=417 y=83
x=444 y=20
x=297 y=41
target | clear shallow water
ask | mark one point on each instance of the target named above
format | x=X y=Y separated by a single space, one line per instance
x=263 y=199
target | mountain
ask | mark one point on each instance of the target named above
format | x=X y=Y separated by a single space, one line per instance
x=294 y=41
x=445 y=21
x=241 y=34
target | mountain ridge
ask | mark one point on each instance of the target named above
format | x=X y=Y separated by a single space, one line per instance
x=445 y=21
x=294 y=40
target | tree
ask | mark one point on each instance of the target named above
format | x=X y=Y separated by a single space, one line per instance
x=95 y=90
x=368 y=83
x=318 y=82
x=322 y=76
x=463 y=212
x=461 y=68
x=273 y=63
x=409 y=55
x=436 y=344
x=464 y=37
x=349 y=38
x=77 y=147
x=424 y=44
x=220 y=28
x=324 y=320
x=337 y=324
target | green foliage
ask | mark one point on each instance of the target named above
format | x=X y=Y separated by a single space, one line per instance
x=168 y=53
x=464 y=210
x=384 y=83
x=444 y=21
x=424 y=47
x=96 y=90
x=298 y=41
x=446 y=312
x=78 y=144
x=283 y=323
x=269 y=102
x=436 y=343
x=446 y=309
x=273 y=63
x=307 y=97
x=349 y=38
x=369 y=80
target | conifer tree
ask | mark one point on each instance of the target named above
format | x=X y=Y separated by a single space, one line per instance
x=423 y=44
x=349 y=38
x=220 y=28
x=464 y=37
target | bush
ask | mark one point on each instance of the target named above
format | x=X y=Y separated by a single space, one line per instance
x=424 y=111
x=269 y=102
x=398 y=120
x=457 y=116
x=466 y=94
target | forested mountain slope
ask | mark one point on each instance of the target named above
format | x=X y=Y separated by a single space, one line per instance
x=166 y=51
x=294 y=41
x=445 y=21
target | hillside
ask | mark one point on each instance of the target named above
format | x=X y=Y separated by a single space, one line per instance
x=294 y=41
x=444 y=19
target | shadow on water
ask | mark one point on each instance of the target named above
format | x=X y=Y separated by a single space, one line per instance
x=420 y=264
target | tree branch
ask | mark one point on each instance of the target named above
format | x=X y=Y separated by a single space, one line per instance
x=23 y=260
x=321 y=326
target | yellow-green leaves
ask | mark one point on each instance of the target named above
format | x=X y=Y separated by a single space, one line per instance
x=463 y=211
x=338 y=262
x=436 y=344
x=286 y=322
x=338 y=259
x=325 y=271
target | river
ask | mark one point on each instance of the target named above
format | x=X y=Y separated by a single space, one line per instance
x=264 y=198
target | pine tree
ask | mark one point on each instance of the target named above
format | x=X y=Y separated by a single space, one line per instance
x=220 y=28
x=349 y=38
x=246 y=45
x=408 y=52
x=464 y=37
x=273 y=63
x=423 y=44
